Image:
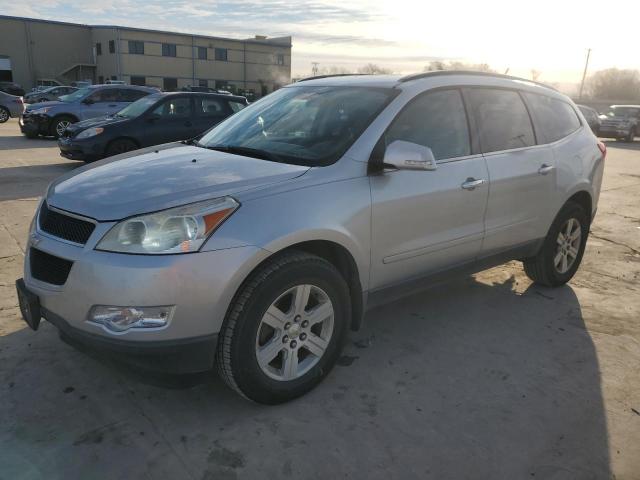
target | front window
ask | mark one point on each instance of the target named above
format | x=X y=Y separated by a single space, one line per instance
x=623 y=112
x=301 y=125
x=76 y=96
x=138 y=107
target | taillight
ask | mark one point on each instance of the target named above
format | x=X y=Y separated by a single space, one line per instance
x=603 y=149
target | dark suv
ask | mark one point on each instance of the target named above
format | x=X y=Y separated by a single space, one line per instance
x=152 y=120
x=52 y=118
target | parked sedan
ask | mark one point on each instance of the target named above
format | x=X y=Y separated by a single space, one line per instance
x=12 y=89
x=52 y=118
x=591 y=116
x=10 y=106
x=152 y=120
x=48 y=94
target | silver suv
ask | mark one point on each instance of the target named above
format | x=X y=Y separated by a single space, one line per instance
x=258 y=246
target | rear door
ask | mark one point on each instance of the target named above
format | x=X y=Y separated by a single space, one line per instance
x=103 y=103
x=521 y=173
x=170 y=121
x=426 y=221
x=209 y=110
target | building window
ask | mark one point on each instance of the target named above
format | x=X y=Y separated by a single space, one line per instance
x=100 y=79
x=221 y=54
x=280 y=59
x=98 y=48
x=168 y=50
x=169 y=84
x=112 y=46
x=113 y=77
x=203 y=83
x=142 y=81
x=136 y=47
x=202 y=53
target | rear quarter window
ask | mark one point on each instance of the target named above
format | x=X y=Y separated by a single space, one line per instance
x=555 y=119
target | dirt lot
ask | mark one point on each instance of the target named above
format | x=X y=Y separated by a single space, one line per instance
x=486 y=377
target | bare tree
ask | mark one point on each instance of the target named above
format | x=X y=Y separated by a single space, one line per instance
x=373 y=69
x=535 y=74
x=615 y=84
x=440 y=65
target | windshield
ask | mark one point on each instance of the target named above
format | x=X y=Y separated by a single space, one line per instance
x=623 y=112
x=75 y=96
x=138 y=107
x=301 y=125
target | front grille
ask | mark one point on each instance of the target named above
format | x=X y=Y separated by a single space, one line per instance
x=64 y=226
x=48 y=268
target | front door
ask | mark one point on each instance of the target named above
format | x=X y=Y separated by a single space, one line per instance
x=172 y=120
x=427 y=221
x=209 y=112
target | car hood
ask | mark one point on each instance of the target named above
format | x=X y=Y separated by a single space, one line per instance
x=53 y=103
x=161 y=177
x=96 y=122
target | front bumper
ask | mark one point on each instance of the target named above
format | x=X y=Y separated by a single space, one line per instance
x=88 y=149
x=34 y=124
x=200 y=286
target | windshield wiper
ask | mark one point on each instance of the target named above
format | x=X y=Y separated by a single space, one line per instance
x=247 y=151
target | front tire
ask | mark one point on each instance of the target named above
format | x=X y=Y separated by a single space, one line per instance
x=561 y=253
x=59 y=125
x=4 y=115
x=284 y=329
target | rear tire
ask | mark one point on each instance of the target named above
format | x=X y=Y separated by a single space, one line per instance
x=121 y=145
x=275 y=357
x=631 y=135
x=561 y=253
x=4 y=115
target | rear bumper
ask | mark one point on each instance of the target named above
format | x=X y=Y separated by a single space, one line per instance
x=188 y=355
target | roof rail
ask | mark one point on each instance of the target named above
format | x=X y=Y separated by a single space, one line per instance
x=332 y=75
x=441 y=73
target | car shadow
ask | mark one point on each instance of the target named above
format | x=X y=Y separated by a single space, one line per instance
x=31 y=180
x=622 y=145
x=20 y=142
x=467 y=380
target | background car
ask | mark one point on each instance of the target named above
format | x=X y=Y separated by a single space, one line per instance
x=10 y=106
x=52 y=118
x=152 y=120
x=591 y=116
x=12 y=89
x=621 y=122
x=48 y=94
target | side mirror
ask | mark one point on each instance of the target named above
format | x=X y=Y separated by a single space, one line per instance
x=409 y=156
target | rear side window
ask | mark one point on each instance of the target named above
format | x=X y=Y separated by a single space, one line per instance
x=130 y=95
x=502 y=119
x=236 y=106
x=436 y=120
x=556 y=118
x=211 y=107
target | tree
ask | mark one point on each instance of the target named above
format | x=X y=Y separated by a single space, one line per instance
x=436 y=65
x=615 y=84
x=373 y=69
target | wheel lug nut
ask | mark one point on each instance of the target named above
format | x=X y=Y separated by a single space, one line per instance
x=303 y=336
x=287 y=325
x=293 y=344
x=285 y=339
x=297 y=318
x=305 y=324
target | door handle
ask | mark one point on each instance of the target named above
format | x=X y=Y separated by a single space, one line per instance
x=544 y=169
x=471 y=183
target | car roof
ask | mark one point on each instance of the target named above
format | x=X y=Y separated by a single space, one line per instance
x=625 y=106
x=116 y=85
x=437 y=78
x=200 y=94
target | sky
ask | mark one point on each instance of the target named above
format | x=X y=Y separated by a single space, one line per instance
x=549 y=36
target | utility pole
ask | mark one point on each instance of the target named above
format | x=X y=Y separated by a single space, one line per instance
x=584 y=74
x=314 y=68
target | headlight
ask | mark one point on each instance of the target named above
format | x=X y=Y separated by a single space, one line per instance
x=177 y=230
x=40 y=111
x=90 y=132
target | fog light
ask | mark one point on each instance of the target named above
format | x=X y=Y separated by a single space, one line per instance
x=119 y=319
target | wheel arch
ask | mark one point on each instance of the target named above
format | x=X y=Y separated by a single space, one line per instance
x=69 y=115
x=121 y=137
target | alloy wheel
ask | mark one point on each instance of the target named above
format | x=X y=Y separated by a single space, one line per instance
x=61 y=126
x=4 y=115
x=294 y=332
x=567 y=245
